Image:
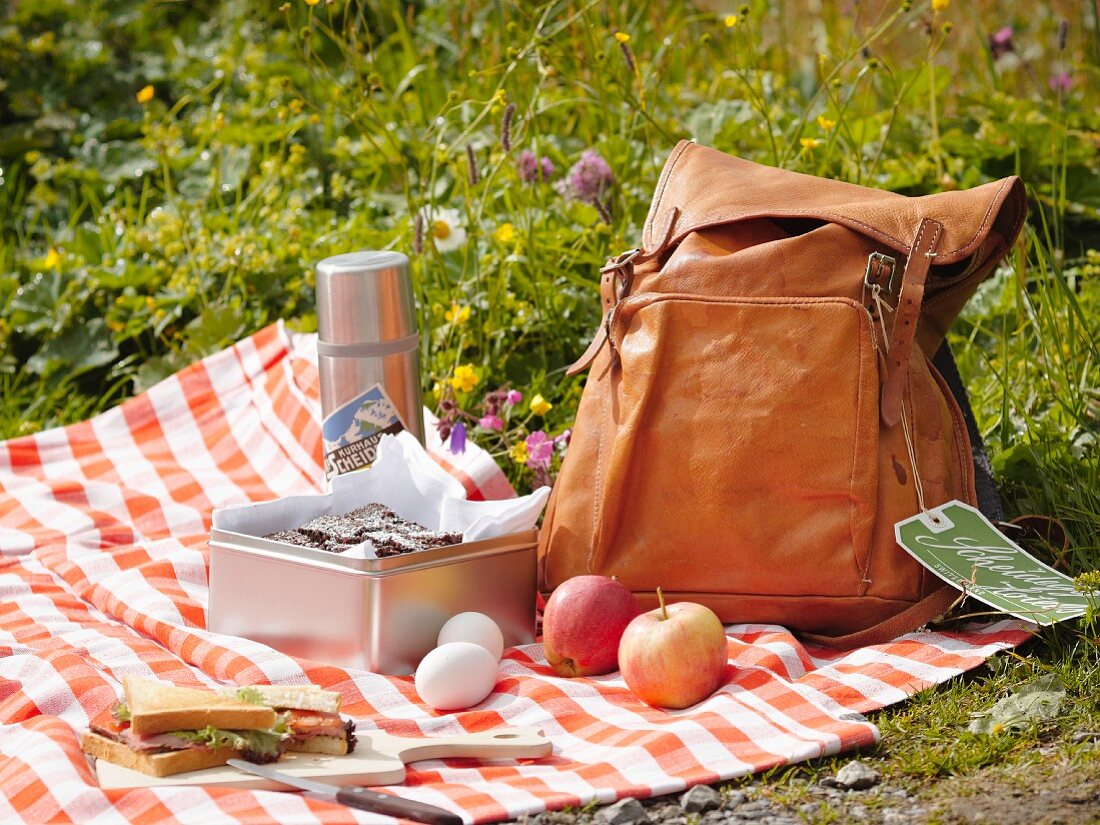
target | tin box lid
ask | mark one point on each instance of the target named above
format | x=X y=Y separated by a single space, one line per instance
x=225 y=540
x=365 y=297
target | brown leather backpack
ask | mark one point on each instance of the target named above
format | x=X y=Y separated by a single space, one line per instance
x=762 y=407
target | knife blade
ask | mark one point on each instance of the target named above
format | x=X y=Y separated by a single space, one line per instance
x=355 y=796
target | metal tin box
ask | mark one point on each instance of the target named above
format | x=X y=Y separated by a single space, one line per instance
x=381 y=615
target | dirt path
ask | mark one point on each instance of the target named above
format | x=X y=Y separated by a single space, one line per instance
x=1050 y=793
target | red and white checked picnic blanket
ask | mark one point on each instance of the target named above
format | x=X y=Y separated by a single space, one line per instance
x=103 y=573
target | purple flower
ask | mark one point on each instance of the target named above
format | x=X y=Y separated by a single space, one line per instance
x=458 y=439
x=1000 y=42
x=540 y=449
x=514 y=397
x=589 y=178
x=561 y=441
x=491 y=422
x=531 y=169
x=1061 y=82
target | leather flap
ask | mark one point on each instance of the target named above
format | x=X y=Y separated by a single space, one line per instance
x=701 y=187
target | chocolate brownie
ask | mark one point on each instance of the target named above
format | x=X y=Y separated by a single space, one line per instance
x=338 y=529
x=390 y=534
x=292 y=537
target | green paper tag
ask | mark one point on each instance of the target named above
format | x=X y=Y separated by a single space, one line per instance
x=959 y=545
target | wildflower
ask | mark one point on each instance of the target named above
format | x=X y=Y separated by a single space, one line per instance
x=457 y=314
x=540 y=449
x=145 y=95
x=1061 y=82
x=589 y=178
x=731 y=21
x=940 y=5
x=809 y=144
x=539 y=405
x=628 y=57
x=505 y=233
x=491 y=422
x=825 y=124
x=561 y=441
x=312 y=2
x=1000 y=42
x=518 y=452
x=465 y=378
x=471 y=165
x=622 y=37
x=52 y=259
x=458 y=439
x=418 y=233
x=1087 y=583
x=506 y=127
x=532 y=169
x=443 y=228
x=513 y=397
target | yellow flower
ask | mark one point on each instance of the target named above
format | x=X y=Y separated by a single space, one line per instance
x=146 y=94
x=825 y=124
x=505 y=233
x=52 y=259
x=312 y=2
x=809 y=144
x=622 y=37
x=465 y=378
x=539 y=405
x=457 y=314
x=519 y=452
x=731 y=21
x=940 y=5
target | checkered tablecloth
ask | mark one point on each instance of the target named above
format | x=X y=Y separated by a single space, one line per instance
x=103 y=573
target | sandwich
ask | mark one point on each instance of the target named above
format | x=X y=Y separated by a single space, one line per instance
x=162 y=729
x=312 y=716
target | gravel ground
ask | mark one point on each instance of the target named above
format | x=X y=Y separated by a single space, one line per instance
x=1056 y=794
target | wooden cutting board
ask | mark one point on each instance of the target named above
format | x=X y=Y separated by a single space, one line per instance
x=378 y=759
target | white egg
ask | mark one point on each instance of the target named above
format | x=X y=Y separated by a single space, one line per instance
x=476 y=628
x=456 y=675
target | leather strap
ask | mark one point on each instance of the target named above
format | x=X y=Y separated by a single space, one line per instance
x=906 y=316
x=616 y=278
x=930 y=607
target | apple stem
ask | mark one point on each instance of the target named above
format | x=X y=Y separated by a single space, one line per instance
x=661 y=599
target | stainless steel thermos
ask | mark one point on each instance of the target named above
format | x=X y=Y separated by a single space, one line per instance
x=368 y=356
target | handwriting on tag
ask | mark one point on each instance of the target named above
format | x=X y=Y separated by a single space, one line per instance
x=958 y=544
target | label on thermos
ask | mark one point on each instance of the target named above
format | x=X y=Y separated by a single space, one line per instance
x=351 y=433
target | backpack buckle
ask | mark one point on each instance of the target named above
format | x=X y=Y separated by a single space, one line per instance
x=623 y=266
x=880 y=267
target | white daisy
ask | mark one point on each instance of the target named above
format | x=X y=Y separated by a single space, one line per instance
x=443 y=227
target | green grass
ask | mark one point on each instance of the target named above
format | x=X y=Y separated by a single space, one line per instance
x=138 y=236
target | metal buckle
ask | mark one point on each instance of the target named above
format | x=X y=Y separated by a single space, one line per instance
x=624 y=265
x=621 y=261
x=879 y=267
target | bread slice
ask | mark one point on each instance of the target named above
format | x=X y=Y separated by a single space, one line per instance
x=158 y=707
x=156 y=764
x=304 y=697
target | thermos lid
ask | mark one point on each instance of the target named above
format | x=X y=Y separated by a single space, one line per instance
x=366 y=298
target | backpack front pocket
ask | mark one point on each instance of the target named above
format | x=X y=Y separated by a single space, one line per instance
x=745 y=449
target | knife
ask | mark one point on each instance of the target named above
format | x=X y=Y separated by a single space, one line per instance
x=355 y=796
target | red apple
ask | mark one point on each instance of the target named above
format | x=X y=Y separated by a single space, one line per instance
x=674 y=656
x=583 y=622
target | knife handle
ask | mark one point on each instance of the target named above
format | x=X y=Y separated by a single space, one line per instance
x=383 y=803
